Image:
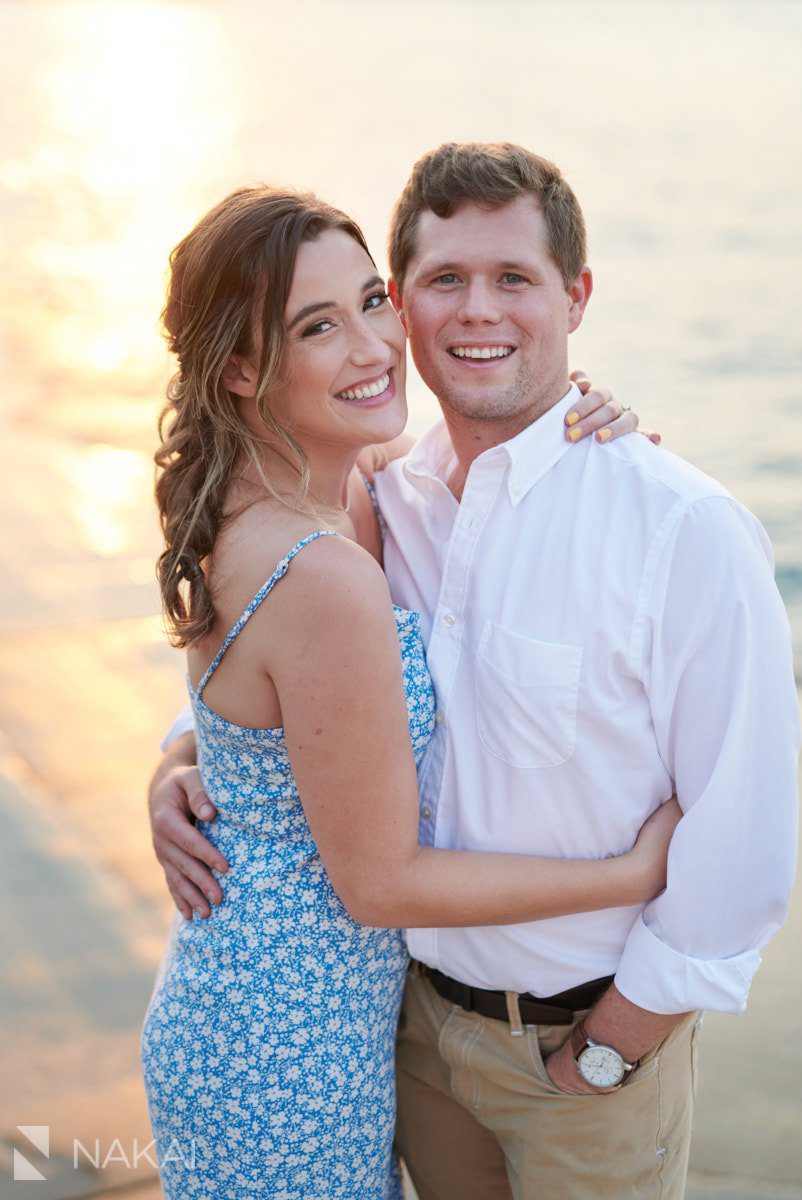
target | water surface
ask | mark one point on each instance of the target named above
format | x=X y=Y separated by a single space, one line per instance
x=678 y=125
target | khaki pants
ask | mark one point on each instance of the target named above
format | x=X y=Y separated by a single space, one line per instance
x=478 y=1118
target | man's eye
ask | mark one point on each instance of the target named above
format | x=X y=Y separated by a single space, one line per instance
x=512 y=278
x=448 y=278
x=376 y=300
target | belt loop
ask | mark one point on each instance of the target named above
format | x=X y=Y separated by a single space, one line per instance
x=514 y=1015
x=415 y=968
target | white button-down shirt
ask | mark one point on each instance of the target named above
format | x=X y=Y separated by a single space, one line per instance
x=603 y=629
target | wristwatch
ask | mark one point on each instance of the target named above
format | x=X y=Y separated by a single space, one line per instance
x=599 y=1065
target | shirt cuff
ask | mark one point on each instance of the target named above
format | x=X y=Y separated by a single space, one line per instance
x=184 y=723
x=662 y=980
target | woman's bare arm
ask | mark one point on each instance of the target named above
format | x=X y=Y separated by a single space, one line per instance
x=335 y=661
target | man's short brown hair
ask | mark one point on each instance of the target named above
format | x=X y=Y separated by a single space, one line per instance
x=490 y=174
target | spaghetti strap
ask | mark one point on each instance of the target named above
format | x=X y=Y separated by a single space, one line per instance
x=375 y=502
x=280 y=571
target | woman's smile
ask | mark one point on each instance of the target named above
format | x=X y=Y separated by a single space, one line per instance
x=370 y=393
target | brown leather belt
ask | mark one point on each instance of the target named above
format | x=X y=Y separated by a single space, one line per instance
x=535 y=1010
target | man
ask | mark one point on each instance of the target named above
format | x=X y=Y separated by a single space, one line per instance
x=602 y=629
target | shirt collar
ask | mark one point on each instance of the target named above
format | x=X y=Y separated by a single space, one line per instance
x=431 y=455
x=537 y=448
x=531 y=453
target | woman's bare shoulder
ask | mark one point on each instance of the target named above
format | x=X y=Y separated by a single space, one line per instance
x=331 y=569
x=333 y=600
x=248 y=549
x=339 y=573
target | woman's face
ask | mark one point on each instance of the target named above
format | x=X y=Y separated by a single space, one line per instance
x=345 y=350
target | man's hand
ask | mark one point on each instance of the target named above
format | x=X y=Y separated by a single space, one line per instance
x=175 y=798
x=563 y=1072
x=617 y=1022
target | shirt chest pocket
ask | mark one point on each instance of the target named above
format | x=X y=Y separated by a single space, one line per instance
x=527 y=695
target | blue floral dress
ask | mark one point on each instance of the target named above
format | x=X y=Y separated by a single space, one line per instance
x=268 y=1045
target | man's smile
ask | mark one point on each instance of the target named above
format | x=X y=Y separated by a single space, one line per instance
x=473 y=354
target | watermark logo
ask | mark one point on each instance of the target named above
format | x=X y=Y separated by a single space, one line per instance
x=39 y=1138
x=132 y=1156
x=98 y=1154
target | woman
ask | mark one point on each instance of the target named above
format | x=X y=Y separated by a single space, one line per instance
x=268 y=1044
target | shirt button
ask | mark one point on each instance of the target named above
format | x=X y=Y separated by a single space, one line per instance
x=448 y=620
x=516 y=490
x=426 y=812
x=439 y=718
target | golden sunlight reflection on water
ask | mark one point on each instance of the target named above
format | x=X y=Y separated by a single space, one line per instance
x=103 y=483
x=127 y=119
x=118 y=127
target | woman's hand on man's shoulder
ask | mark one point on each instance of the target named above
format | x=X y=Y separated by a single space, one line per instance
x=376 y=458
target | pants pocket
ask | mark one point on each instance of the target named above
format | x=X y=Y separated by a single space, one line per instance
x=642 y=1072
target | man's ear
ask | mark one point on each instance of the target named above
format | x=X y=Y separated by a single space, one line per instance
x=397 y=301
x=240 y=376
x=578 y=296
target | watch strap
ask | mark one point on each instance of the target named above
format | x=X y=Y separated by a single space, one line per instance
x=579 y=1038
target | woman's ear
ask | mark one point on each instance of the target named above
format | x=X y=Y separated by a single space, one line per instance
x=240 y=376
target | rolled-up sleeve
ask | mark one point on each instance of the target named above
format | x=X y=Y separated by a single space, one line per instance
x=184 y=723
x=711 y=644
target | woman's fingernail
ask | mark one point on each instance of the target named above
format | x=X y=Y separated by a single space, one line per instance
x=572 y=418
x=603 y=435
x=206 y=810
x=575 y=434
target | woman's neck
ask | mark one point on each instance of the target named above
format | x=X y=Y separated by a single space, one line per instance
x=330 y=468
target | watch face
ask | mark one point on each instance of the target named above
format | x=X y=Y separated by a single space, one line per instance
x=601 y=1066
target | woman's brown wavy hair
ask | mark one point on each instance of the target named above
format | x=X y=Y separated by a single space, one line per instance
x=232 y=272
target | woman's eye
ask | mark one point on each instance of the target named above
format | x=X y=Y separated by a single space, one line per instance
x=376 y=300
x=321 y=326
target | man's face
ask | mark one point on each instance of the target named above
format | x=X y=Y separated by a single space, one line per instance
x=487 y=311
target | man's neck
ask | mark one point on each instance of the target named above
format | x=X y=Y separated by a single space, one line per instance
x=471 y=436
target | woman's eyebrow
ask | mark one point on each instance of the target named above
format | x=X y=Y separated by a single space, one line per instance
x=321 y=304
x=308 y=310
